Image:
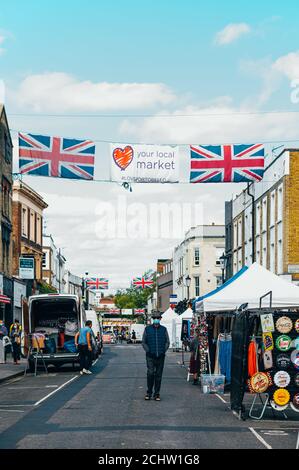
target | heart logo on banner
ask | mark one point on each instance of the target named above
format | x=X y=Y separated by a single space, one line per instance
x=123 y=157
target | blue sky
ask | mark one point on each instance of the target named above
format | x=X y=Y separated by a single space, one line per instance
x=127 y=41
x=144 y=57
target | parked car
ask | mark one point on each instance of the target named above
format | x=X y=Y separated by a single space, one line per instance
x=108 y=337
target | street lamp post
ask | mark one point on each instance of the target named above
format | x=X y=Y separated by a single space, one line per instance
x=223 y=260
x=188 y=283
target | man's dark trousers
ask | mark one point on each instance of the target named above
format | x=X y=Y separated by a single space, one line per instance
x=84 y=356
x=155 y=367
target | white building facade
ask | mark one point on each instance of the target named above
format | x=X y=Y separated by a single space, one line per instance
x=198 y=256
x=53 y=264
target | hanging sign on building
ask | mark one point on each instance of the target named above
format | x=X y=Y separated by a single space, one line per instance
x=19 y=293
x=26 y=268
x=141 y=163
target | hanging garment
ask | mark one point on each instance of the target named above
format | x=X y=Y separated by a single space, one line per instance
x=225 y=355
x=71 y=328
x=252 y=358
x=217 y=365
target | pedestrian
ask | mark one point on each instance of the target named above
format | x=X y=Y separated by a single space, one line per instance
x=155 y=342
x=15 y=337
x=133 y=337
x=194 y=366
x=3 y=333
x=83 y=343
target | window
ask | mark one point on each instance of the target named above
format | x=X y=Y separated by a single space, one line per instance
x=264 y=253
x=272 y=209
x=7 y=148
x=38 y=229
x=197 y=286
x=258 y=219
x=32 y=226
x=6 y=190
x=279 y=203
x=24 y=222
x=240 y=233
x=235 y=235
x=196 y=256
x=219 y=253
x=264 y=215
x=44 y=260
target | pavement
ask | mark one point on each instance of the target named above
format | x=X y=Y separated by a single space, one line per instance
x=107 y=410
x=10 y=370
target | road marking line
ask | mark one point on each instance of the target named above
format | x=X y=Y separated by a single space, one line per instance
x=94 y=362
x=260 y=438
x=220 y=398
x=1 y=406
x=13 y=411
x=55 y=391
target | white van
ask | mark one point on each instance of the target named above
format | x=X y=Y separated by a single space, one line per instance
x=57 y=317
x=139 y=329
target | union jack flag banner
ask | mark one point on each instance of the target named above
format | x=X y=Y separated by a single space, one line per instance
x=139 y=311
x=41 y=155
x=142 y=282
x=114 y=310
x=96 y=283
x=226 y=163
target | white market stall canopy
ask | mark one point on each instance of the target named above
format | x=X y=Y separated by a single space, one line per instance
x=248 y=286
x=168 y=320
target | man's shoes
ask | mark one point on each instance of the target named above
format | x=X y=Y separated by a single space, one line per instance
x=81 y=372
x=147 y=397
x=88 y=372
x=157 y=397
x=195 y=382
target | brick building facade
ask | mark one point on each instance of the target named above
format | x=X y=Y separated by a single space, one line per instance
x=28 y=208
x=265 y=226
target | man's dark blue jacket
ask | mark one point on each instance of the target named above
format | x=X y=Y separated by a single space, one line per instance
x=155 y=340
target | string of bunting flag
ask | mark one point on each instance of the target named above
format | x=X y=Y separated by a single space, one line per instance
x=61 y=157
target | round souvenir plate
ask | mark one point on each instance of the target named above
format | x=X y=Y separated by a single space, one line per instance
x=277 y=407
x=296 y=343
x=295 y=403
x=282 y=379
x=295 y=358
x=297 y=325
x=283 y=361
x=259 y=382
x=284 y=325
x=296 y=380
x=283 y=343
x=281 y=396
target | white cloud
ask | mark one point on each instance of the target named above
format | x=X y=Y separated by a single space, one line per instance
x=61 y=92
x=231 y=33
x=288 y=65
x=216 y=124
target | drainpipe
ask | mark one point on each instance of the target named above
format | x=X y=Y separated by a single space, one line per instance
x=252 y=224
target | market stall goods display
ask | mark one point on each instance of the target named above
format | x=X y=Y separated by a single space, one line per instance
x=282 y=379
x=268 y=360
x=283 y=361
x=297 y=325
x=296 y=380
x=295 y=403
x=259 y=382
x=277 y=407
x=296 y=343
x=284 y=324
x=283 y=343
x=268 y=341
x=281 y=396
x=295 y=358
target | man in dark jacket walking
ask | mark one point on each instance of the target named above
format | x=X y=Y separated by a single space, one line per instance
x=155 y=342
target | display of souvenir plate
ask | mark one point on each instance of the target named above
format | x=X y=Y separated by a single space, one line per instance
x=259 y=382
x=277 y=407
x=282 y=379
x=281 y=396
x=295 y=403
x=284 y=325
x=283 y=343
x=296 y=343
x=283 y=361
x=296 y=380
x=297 y=325
x=295 y=358
x=268 y=359
x=268 y=341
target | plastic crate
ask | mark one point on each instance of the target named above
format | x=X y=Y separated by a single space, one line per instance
x=212 y=383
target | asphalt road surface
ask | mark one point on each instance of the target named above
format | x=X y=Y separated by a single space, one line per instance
x=107 y=411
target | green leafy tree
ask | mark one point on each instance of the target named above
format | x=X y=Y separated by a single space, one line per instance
x=134 y=297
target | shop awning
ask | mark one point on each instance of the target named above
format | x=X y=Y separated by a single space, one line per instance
x=4 y=299
x=247 y=287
